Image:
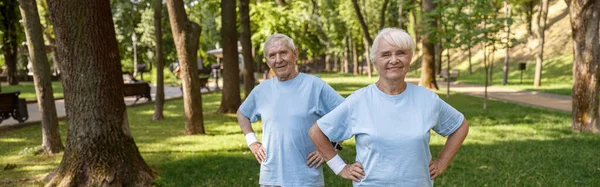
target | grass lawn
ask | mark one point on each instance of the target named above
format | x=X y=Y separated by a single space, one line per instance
x=509 y=145
x=28 y=90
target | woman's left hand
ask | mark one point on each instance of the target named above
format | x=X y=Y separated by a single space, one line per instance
x=436 y=168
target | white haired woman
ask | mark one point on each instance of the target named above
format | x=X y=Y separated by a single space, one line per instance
x=391 y=121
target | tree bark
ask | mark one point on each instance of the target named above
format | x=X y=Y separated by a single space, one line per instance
x=368 y=59
x=539 y=56
x=246 y=47
x=354 y=59
x=230 y=99
x=9 y=40
x=585 y=18
x=335 y=63
x=344 y=67
x=428 y=62
x=186 y=35
x=529 y=16
x=100 y=149
x=400 y=21
x=438 y=56
x=51 y=142
x=327 y=61
x=363 y=25
x=382 y=15
x=506 y=56
x=159 y=101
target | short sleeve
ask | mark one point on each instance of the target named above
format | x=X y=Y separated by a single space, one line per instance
x=337 y=124
x=328 y=100
x=449 y=119
x=249 y=108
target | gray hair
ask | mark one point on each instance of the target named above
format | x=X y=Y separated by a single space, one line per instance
x=396 y=37
x=277 y=37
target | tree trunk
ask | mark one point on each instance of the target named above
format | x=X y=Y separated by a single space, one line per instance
x=367 y=57
x=400 y=21
x=382 y=16
x=505 y=68
x=470 y=63
x=354 y=59
x=485 y=67
x=281 y=3
x=327 y=62
x=438 y=56
x=529 y=16
x=159 y=101
x=585 y=18
x=230 y=100
x=346 y=56
x=335 y=63
x=246 y=47
x=539 y=57
x=428 y=61
x=100 y=149
x=134 y=42
x=186 y=35
x=51 y=142
x=363 y=25
x=9 y=40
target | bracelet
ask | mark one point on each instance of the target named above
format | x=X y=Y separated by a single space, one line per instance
x=251 y=138
x=336 y=164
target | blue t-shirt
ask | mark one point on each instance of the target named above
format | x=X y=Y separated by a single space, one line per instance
x=288 y=109
x=392 y=132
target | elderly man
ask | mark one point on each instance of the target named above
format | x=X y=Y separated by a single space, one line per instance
x=288 y=105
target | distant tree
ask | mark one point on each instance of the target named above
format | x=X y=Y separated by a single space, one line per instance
x=186 y=35
x=230 y=99
x=539 y=56
x=246 y=47
x=160 y=63
x=100 y=148
x=11 y=32
x=585 y=20
x=51 y=143
x=428 y=61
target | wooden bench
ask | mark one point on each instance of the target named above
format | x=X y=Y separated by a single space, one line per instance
x=453 y=74
x=138 y=89
x=12 y=106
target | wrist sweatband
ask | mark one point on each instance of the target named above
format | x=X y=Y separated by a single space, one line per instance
x=336 y=164
x=251 y=138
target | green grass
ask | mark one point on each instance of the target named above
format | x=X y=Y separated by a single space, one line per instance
x=557 y=75
x=509 y=145
x=28 y=90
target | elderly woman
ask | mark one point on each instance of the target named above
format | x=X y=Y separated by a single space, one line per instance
x=391 y=121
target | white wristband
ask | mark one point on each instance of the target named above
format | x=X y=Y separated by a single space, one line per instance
x=251 y=138
x=336 y=164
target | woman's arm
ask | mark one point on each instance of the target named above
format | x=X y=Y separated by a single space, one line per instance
x=455 y=140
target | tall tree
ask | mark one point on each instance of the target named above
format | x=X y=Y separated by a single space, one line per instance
x=507 y=48
x=428 y=61
x=186 y=34
x=539 y=56
x=100 y=149
x=382 y=15
x=361 y=20
x=51 y=142
x=585 y=18
x=230 y=99
x=10 y=40
x=160 y=63
x=246 y=46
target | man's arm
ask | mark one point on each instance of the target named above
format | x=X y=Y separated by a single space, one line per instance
x=255 y=146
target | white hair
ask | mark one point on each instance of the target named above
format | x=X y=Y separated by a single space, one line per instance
x=277 y=37
x=396 y=37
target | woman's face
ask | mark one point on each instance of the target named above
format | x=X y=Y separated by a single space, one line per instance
x=391 y=61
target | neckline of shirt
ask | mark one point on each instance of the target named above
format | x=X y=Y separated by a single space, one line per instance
x=397 y=96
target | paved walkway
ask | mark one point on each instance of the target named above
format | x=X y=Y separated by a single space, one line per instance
x=532 y=98
x=171 y=92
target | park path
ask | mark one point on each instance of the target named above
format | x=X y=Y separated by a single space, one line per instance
x=171 y=92
x=531 y=98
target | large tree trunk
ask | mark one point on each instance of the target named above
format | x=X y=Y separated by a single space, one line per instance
x=51 y=142
x=363 y=25
x=100 y=149
x=539 y=56
x=9 y=40
x=230 y=99
x=505 y=68
x=428 y=62
x=186 y=35
x=585 y=18
x=246 y=47
x=159 y=101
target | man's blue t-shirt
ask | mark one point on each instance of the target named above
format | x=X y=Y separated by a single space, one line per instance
x=392 y=132
x=288 y=109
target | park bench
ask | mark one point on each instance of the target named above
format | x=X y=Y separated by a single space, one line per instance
x=12 y=106
x=452 y=76
x=138 y=89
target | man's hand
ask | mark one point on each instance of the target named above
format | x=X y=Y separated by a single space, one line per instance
x=436 y=168
x=315 y=158
x=259 y=152
x=353 y=172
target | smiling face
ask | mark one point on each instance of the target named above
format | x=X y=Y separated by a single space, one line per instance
x=391 y=61
x=281 y=59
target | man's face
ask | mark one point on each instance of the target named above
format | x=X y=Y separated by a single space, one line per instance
x=391 y=61
x=281 y=59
